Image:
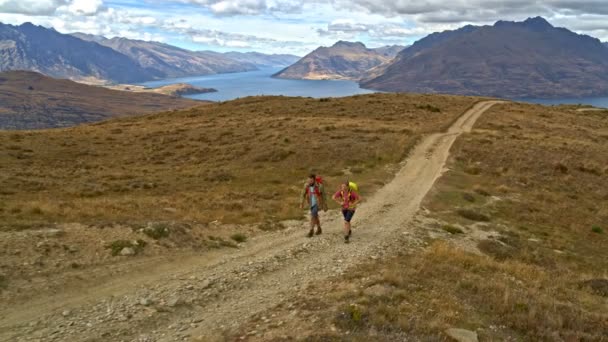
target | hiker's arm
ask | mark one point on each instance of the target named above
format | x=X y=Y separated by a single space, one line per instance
x=303 y=197
x=336 y=198
x=357 y=200
x=323 y=196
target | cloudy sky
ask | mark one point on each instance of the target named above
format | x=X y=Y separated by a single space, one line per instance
x=292 y=26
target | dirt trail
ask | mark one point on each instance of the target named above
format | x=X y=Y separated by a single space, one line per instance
x=198 y=297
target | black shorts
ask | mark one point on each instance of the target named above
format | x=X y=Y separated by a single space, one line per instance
x=348 y=214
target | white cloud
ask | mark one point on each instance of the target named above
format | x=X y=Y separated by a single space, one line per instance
x=31 y=7
x=294 y=26
x=84 y=7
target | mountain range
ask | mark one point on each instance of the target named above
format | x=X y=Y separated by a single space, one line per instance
x=343 y=60
x=509 y=59
x=30 y=100
x=35 y=48
x=97 y=59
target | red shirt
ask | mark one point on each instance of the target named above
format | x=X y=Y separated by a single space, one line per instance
x=347 y=201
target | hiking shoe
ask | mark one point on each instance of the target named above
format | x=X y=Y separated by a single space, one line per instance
x=310 y=233
x=347 y=238
x=319 y=231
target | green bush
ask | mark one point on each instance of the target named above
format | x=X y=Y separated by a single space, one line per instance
x=157 y=231
x=597 y=229
x=3 y=281
x=453 y=230
x=473 y=215
x=240 y=238
x=117 y=246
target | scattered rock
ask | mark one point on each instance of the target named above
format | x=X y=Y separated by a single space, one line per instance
x=66 y=313
x=145 y=302
x=127 y=251
x=49 y=232
x=175 y=301
x=170 y=210
x=598 y=286
x=206 y=284
x=462 y=335
x=377 y=290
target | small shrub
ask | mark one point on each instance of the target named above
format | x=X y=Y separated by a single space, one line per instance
x=351 y=317
x=452 y=230
x=496 y=249
x=3 y=282
x=560 y=167
x=473 y=215
x=481 y=191
x=219 y=176
x=472 y=170
x=468 y=197
x=429 y=108
x=117 y=246
x=36 y=211
x=240 y=238
x=597 y=229
x=598 y=286
x=224 y=243
x=157 y=231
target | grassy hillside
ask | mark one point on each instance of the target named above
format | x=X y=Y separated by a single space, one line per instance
x=30 y=100
x=240 y=161
x=517 y=235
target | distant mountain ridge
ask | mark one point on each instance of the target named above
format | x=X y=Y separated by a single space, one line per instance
x=343 y=60
x=96 y=59
x=30 y=47
x=509 y=59
x=263 y=60
x=170 y=61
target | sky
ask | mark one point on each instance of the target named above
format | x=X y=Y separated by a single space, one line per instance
x=293 y=26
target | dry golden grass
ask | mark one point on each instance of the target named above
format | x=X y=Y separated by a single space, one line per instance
x=241 y=161
x=537 y=176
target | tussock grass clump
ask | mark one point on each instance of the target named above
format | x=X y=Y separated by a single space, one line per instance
x=452 y=229
x=598 y=286
x=238 y=237
x=468 y=197
x=157 y=231
x=429 y=108
x=597 y=229
x=496 y=249
x=3 y=281
x=473 y=215
x=117 y=246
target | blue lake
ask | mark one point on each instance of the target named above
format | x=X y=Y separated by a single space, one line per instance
x=242 y=84
x=601 y=102
x=260 y=82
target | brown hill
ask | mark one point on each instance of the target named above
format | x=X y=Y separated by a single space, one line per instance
x=343 y=60
x=510 y=59
x=194 y=160
x=29 y=100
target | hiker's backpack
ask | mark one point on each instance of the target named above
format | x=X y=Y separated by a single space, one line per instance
x=353 y=186
x=318 y=181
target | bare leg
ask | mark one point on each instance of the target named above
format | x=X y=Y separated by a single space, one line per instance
x=313 y=221
x=318 y=225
